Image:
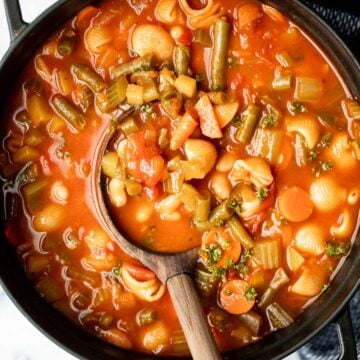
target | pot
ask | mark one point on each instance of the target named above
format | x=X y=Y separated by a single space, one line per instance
x=330 y=307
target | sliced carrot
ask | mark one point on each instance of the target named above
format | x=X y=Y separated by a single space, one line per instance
x=208 y=121
x=84 y=17
x=230 y=248
x=183 y=131
x=248 y=13
x=295 y=204
x=237 y=297
x=138 y=272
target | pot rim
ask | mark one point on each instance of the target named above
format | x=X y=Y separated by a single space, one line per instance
x=336 y=53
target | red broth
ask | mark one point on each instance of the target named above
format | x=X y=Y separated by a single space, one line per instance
x=242 y=142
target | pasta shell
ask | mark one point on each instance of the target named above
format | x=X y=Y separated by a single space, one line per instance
x=152 y=39
x=308 y=127
x=201 y=157
x=294 y=260
x=151 y=290
x=345 y=226
x=311 y=281
x=96 y=38
x=310 y=239
x=226 y=112
x=340 y=152
x=254 y=170
x=245 y=195
x=168 y=12
x=327 y=194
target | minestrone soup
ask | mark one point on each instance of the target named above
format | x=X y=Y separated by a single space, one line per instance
x=238 y=139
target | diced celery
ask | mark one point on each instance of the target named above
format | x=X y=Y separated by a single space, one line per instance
x=307 y=89
x=267 y=252
x=284 y=59
x=267 y=143
x=352 y=109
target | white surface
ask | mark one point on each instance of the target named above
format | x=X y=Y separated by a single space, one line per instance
x=19 y=339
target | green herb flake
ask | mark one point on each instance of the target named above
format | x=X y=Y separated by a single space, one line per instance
x=325 y=141
x=226 y=244
x=228 y=292
x=268 y=121
x=336 y=249
x=296 y=107
x=236 y=121
x=147 y=109
x=250 y=293
x=199 y=78
x=313 y=155
x=116 y=271
x=213 y=254
x=262 y=194
x=236 y=206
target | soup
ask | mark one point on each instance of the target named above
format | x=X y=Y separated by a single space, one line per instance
x=231 y=133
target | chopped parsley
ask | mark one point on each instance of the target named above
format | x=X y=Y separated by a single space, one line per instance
x=199 y=78
x=236 y=206
x=324 y=141
x=296 y=107
x=147 y=109
x=321 y=167
x=268 y=120
x=213 y=253
x=116 y=270
x=228 y=292
x=313 y=155
x=262 y=194
x=336 y=249
x=236 y=121
x=250 y=293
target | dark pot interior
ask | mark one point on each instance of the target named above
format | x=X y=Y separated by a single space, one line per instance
x=83 y=345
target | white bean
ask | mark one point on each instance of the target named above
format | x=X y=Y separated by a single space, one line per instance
x=117 y=192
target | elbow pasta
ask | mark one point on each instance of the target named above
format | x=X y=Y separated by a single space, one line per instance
x=257 y=170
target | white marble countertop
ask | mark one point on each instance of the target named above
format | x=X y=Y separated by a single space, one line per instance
x=20 y=340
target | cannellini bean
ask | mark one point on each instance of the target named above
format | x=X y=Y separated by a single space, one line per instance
x=59 y=192
x=168 y=206
x=220 y=185
x=226 y=162
x=117 y=192
x=175 y=216
x=121 y=149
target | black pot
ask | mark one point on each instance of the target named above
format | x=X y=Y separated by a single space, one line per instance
x=329 y=307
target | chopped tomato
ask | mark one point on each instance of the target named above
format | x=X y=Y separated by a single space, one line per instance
x=139 y=273
x=185 y=38
x=144 y=161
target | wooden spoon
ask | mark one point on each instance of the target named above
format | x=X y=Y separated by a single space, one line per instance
x=172 y=269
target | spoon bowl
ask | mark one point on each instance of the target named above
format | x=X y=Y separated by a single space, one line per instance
x=174 y=269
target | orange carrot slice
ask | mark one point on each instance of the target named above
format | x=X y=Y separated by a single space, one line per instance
x=237 y=296
x=183 y=131
x=295 y=204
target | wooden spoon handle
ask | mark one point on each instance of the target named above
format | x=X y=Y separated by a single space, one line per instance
x=192 y=319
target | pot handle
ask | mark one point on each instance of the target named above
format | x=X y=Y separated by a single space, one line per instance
x=346 y=336
x=15 y=21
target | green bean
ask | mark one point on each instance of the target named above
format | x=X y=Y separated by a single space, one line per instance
x=221 y=214
x=143 y=63
x=249 y=119
x=175 y=182
x=66 y=43
x=69 y=112
x=202 y=208
x=278 y=317
x=205 y=282
x=146 y=317
x=240 y=234
x=277 y=282
x=85 y=97
x=219 y=54
x=171 y=102
x=182 y=60
x=252 y=320
x=89 y=77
